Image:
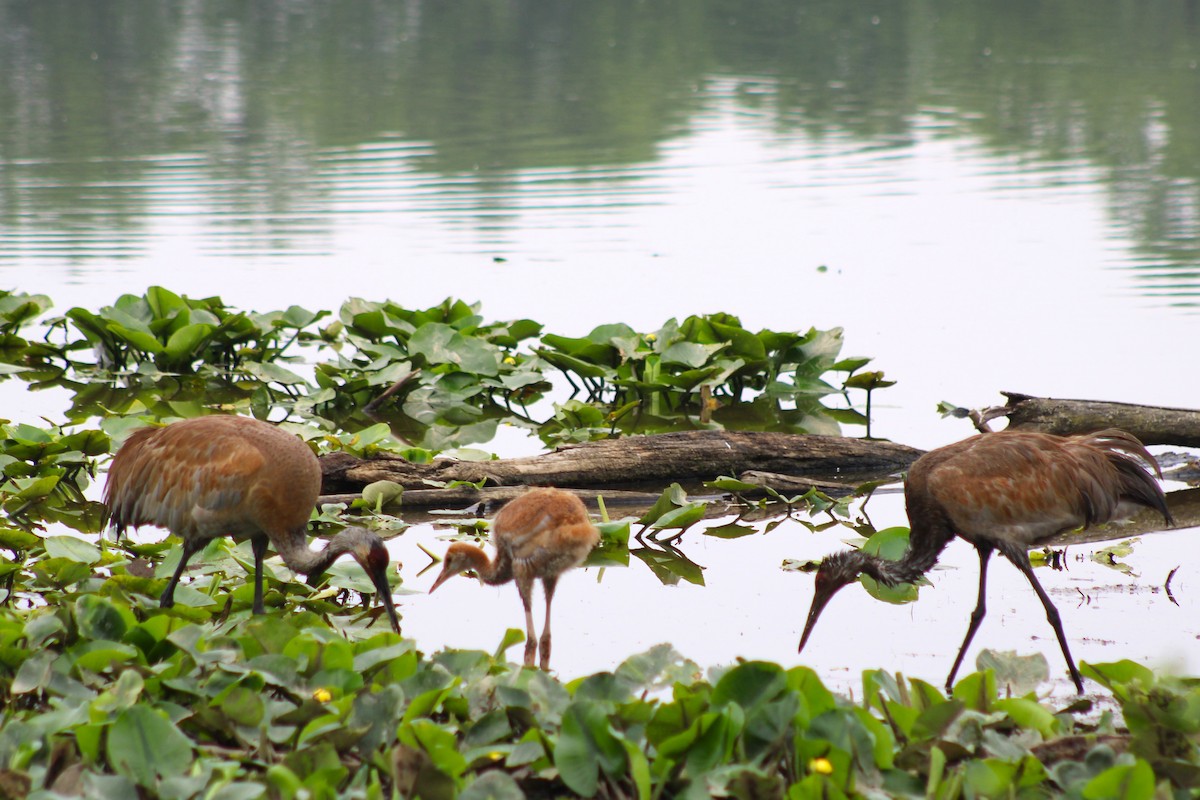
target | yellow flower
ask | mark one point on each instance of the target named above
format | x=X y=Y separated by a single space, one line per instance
x=821 y=766
x=509 y=360
x=322 y=696
x=651 y=337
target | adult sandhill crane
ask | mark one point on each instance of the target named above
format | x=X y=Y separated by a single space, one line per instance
x=541 y=534
x=1005 y=491
x=233 y=476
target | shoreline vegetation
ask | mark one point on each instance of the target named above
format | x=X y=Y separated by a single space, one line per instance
x=104 y=694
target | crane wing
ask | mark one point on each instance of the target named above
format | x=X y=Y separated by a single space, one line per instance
x=181 y=479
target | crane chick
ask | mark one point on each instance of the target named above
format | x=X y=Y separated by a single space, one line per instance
x=541 y=534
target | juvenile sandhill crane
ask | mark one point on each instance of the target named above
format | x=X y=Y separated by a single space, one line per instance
x=1005 y=491
x=541 y=534
x=233 y=476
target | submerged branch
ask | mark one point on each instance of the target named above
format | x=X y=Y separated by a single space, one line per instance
x=1151 y=424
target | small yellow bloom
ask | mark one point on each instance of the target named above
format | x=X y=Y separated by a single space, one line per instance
x=651 y=337
x=322 y=696
x=509 y=360
x=821 y=766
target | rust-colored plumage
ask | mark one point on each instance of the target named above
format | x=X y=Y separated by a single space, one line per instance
x=1005 y=491
x=541 y=534
x=233 y=476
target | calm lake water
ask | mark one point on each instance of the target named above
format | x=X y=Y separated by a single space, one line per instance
x=986 y=197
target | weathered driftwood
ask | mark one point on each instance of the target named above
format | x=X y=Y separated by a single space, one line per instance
x=632 y=460
x=1151 y=424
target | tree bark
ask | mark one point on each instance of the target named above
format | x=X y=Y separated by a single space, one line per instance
x=633 y=460
x=1151 y=424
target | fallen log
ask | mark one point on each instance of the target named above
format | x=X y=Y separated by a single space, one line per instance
x=640 y=460
x=1151 y=424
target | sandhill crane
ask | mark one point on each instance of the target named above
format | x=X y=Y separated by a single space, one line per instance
x=541 y=534
x=233 y=476
x=1005 y=491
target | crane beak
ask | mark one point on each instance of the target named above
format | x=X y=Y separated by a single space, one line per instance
x=446 y=575
x=385 y=593
x=820 y=599
x=376 y=566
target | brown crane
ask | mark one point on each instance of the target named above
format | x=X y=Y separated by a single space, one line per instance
x=1005 y=491
x=233 y=476
x=541 y=534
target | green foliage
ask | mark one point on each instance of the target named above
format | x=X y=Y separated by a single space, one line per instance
x=206 y=700
x=177 y=333
x=43 y=475
x=440 y=377
x=103 y=693
x=707 y=370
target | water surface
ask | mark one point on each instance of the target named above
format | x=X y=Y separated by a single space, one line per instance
x=985 y=196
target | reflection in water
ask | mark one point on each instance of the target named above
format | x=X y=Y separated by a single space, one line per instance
x=246 y=140
x=277 y=129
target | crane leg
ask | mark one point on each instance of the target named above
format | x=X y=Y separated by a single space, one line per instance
x=189 y=549
x=525 y=587
x=985 y=553
x=1020 y=560
x=258 y=544
x=549 y=583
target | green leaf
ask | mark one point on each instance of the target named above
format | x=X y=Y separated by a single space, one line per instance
x=438 y=743
x=681 y=517
x=243 y=706
x=493 y=785
x=269 y=372
x=381 y=494
x=1015 y=674
x=512 y=636
x=139 y=340
x=672 y=497
x=184 y=343
x=725 y=483
x=730 y=530
x=977 y=691
x=38 y=488
x=1029 y=714
x=144 y=745
x=100 y=618
x=17 y=539
x=1122 y=782
x=889 y=543
x=989 y=777
x=689 y=354
x=750 y=684
x=586 y=745
x=71 y=548
x=441 y=344
x=1118 y=672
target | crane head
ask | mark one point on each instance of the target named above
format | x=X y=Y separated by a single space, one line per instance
x=835 y=571
x=372 y=555
x=460 y=557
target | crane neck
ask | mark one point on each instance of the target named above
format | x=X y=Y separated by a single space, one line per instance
x=492 y=572
x=928 y=537
x=294 y=550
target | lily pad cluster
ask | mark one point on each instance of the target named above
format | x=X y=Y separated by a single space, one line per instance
x=441 y=377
